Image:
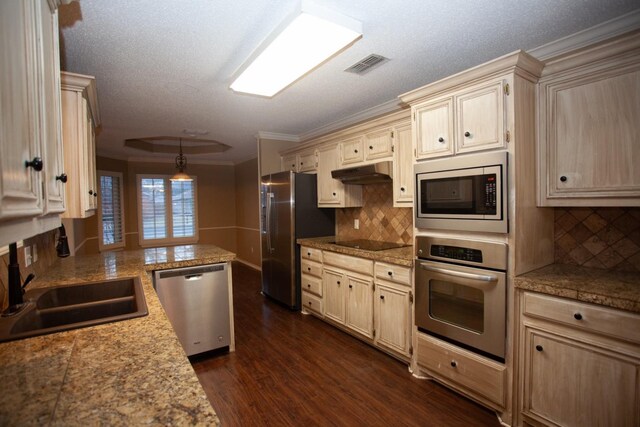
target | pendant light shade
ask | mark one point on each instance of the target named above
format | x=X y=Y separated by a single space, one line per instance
x=181 y=165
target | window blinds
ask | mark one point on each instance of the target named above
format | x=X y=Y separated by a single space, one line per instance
x=110 y=200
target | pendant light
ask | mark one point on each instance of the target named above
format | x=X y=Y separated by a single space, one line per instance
x=181 y=165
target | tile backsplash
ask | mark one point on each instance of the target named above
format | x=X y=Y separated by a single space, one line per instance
x=379 y=220
x=604 y=238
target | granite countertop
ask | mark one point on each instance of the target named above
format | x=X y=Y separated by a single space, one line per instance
x=399 y=256
x=615 y=289
x=126 y=373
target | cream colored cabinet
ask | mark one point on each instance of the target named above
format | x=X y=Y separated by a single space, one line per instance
x=352 y=150
x=289 y=163
x=392 y=308
x=311 y=280
x=30 y=142
x=359 y=316
x=477 y=122
x=589 y=144
x=403 y=186
x=331 y=192
x=580 y=363
x=378 y=144
x=334 y=296
x=79 y=119
x=307 y=161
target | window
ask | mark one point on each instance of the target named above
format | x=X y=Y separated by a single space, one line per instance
x=167 y=212
x=110 y=211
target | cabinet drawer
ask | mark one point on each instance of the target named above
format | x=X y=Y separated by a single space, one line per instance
x=603 y=320
x=395 y=273
x=311 y=253
x=312 y=303
x=474 y=373
x=310 y=267
x=347 y=262
x=312 y=284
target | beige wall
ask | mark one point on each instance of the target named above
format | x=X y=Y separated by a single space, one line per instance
x=248 y=212
x=268 y=154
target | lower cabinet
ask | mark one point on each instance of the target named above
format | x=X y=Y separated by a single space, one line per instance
x=333 y=282
x=360 y=305
x=576 y=369
x=392 y=308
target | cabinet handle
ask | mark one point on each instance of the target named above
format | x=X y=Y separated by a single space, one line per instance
x=308 y=285
x=371 y=147
x=402 y=189
x=62 y=178
x=293 y=165
x=382 y=297
x=350 y=286
x=308 y=253
x=301 y=163
x=467 y=134
x=91 y=192
x=36 y=164
x=441 y=139
x=95 y=194
x=334 y=193
x=577 y=316
x=563 y=178
x=539 y=347
x=355 y=151
x=309 y=268
x=390 y=273
x=453 y=364
x=338 y=282
x=309 y=302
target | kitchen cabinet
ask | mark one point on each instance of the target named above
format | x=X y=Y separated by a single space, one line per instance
x=375 y=145
x=305 y=161
x=392 y=309
x=80 y=116
x=331 y=192
x=289 y=163
x=311 y=280
x=589 y=104
x=359 y=305
x=580 y=363
x=477 y=123
x=30 y=141
x=334 y=297
x=403 y=187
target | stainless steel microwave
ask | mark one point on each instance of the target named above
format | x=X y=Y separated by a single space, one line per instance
x=465 y=193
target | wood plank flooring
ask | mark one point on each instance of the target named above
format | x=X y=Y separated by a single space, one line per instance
x=295 y=370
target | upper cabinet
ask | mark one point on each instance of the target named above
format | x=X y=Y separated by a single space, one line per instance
x=305 y=161
x=467 y=120
x=588 y=127
x=80 y=116
x=402 y=166
x=332 y=193
x=31 y=172
x=372 y=146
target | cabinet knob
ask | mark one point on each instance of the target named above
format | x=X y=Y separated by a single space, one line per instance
x=390 y=273
x=371 y=147
x=402 y=189
x=577 y=316
x=563 y=178
x=453 y=364
x=355 y=151
x=467 y=134
x=309 y=268
x=350 y=286
x=441 y=139
x=539 y=347
x=308 y=285
x=301 y=163
x=91 y=192
x=309 y=302
x=338 y=282
x=62 y=178
x=293 y=165
x=36 y=164
x=334 y=193
x=95 y=194
x=382 y=297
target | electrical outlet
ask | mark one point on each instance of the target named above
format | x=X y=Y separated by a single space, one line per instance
x=356 y=224
x=34 y=253
x=27 y=256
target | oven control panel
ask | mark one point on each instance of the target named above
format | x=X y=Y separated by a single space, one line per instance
x=457 y=253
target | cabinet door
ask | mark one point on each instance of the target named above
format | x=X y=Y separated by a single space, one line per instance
x=334 y=284
x=330 y=191
x=289 y=163
x=434 y=129
x=393 y=317
x=360 y=305
x=92 y=201
x=480 y=118
x=307 y=162
x=568 y=383
x=377 y=145
x=352 y=150
x=402 y=167
x=20 y=194
x=594 y=137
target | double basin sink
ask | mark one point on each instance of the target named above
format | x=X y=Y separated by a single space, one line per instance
x=61 y=308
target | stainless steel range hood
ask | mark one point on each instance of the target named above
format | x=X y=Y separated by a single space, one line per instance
x=366 y=174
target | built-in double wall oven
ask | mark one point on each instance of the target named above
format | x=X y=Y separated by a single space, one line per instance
x=467 y=193
x=461 y=292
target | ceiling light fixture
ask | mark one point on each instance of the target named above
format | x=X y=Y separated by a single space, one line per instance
x=181 y=165
x=309 y=37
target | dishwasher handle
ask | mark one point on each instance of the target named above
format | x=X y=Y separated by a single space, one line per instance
x=191 y=277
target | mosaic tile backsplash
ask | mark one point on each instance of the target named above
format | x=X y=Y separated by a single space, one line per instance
x=379 y=220
x=604 y=238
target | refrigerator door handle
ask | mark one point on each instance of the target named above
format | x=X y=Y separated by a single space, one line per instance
x=270 y=196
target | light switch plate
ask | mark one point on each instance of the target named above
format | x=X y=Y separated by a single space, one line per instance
x=356 y=224
x=27 y=256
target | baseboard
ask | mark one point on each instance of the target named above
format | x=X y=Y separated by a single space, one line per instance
x=248 y=264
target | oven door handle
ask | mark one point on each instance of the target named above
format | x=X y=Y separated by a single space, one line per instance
x=484 y=278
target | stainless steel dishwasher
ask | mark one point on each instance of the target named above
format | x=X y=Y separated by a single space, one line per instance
x=196 y=300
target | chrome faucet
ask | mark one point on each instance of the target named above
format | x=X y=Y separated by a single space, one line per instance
x=16 y=288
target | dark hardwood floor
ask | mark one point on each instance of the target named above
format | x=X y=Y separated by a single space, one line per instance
x=293 y=370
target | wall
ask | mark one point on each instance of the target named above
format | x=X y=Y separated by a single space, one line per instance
x=379 y=220
x=604 y=238
x=247 y=213
x=268 y=154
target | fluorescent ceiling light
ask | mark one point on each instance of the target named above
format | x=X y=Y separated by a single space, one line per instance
x=304 y=41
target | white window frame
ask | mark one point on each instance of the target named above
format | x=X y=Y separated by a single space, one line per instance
x=101 y=246
x=169 y=215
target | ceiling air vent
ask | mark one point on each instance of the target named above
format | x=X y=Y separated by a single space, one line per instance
x=367 y=64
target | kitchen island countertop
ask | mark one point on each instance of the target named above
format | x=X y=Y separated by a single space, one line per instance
x=124 y=373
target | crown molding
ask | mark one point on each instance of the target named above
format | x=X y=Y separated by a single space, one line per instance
x=278 y=136
x=172 y=161
x=613 y=27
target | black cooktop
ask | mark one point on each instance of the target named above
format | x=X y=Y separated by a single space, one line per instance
x=368 y=245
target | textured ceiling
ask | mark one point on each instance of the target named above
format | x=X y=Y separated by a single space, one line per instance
x=163 y=66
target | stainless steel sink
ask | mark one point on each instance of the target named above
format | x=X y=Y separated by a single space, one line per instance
x=62 y=308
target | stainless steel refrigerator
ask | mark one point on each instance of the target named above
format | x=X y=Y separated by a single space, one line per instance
x=288 y=212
